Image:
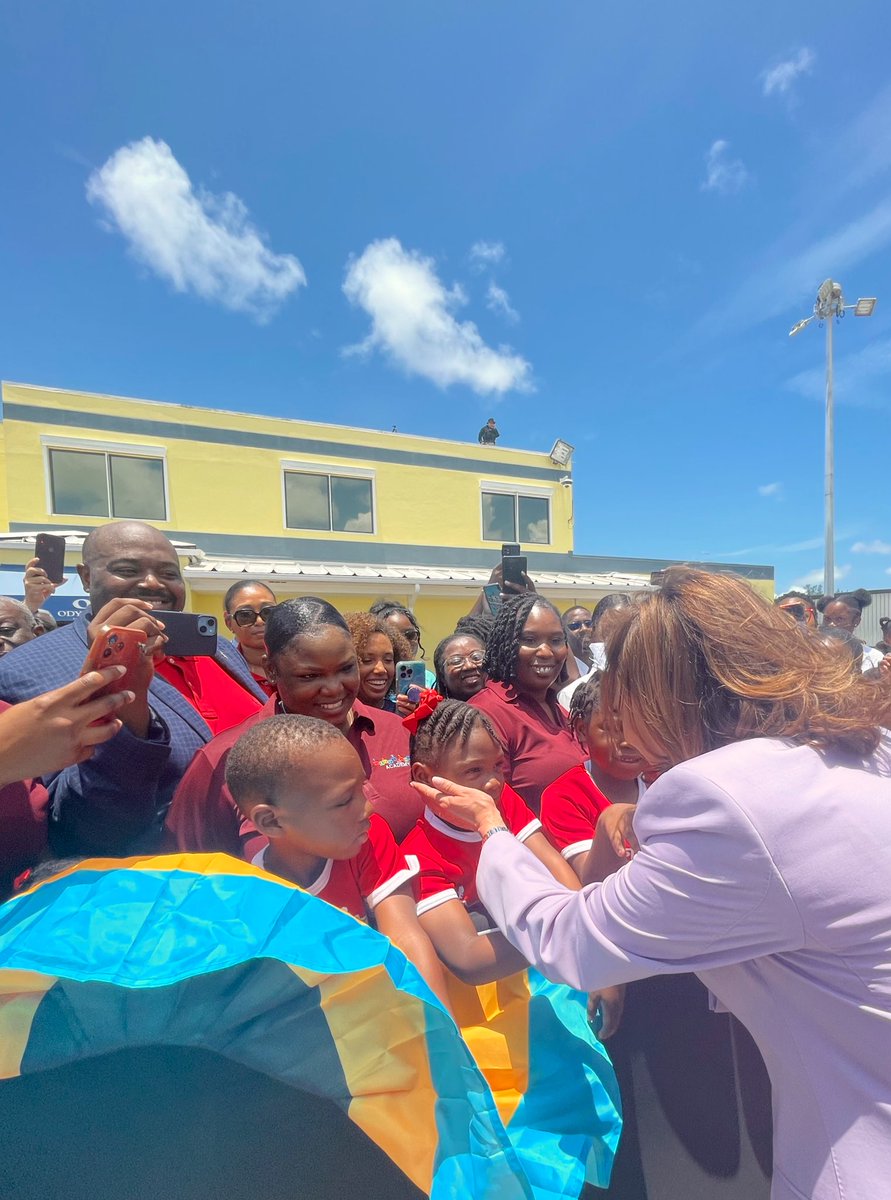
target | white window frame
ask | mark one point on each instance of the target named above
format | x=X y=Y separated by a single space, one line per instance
x=512 y=489
x=124 y=449
x=290 y=466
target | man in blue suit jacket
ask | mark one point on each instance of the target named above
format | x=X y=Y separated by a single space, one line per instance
x=115 y=802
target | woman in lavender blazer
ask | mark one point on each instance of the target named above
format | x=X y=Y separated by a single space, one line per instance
x=764 y=864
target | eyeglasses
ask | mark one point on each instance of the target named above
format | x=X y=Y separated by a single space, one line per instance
x=476 y=659
x=575 y=626
x=247 y=616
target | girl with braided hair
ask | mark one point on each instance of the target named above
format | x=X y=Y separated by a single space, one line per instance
x=525 y=655
x=458 y=742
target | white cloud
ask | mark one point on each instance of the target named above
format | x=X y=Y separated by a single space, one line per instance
x=498 y=301
x=722 y=173
x=875 y=547
x=780 y=78
x=413 y=322
x=785 y=279
x=859 y=379
x=768 y=548
x=771 y=489
x=816 y=576
x=486 y=254
x=199 y=242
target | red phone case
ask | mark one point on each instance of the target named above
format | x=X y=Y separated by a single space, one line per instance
x=115 y=645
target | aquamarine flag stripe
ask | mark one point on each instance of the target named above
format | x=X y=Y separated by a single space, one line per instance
x=568 y=1123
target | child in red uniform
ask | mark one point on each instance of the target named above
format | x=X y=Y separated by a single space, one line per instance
x=459 y=743
x=570 y=812
x=301 y=783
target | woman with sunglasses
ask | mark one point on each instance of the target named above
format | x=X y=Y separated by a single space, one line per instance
x=459 y=663
x=246 y=609
x=404 y=621
x=799 y=607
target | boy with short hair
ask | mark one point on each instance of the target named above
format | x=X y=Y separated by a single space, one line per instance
x=301 y=783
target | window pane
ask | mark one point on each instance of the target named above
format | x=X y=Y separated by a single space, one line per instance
x=137 y=487
x=351 y=504
x=306 y=501
x=498 y=517
x=78 y=483
x=534 y=519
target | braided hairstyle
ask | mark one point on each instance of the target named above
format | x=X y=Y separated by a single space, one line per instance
x=503 y=647
x=584 y=703
x=478 y=625
x=451 y=721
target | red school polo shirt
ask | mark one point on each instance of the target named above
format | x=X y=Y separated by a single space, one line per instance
x=570 y=807
x=204 y=817
x=448 y=857
x=360 y=883
x=539 y=749
x=216 y=695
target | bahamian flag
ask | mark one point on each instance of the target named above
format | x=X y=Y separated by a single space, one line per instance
x=552 y=1080
x=206 y=951
x=203 y=950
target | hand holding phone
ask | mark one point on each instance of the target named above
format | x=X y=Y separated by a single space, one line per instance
x=116 y=646
x=50 y=551
x=410 y=674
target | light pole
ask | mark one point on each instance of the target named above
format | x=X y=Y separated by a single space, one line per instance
x=830 y=305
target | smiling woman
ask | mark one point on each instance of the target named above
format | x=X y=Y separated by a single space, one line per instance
x=524 y=659
x=311 y=661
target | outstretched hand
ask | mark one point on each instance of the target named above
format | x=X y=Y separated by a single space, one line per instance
x=59 y=728
x=462 y=806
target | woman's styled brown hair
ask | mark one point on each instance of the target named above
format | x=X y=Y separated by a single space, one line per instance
x=706 y=661
x=363 y=625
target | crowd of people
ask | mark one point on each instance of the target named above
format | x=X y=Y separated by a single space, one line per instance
x=659 y=784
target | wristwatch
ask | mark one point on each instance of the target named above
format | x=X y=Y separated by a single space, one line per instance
x=495 y=829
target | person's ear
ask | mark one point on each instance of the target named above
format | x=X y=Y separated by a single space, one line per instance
x=230 y=624
x=84 y=572
x=420 y=773
x=580 y=734
x=266 y=820
x=269 y=667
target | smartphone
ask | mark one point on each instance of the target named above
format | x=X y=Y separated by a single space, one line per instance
x=494 y=598
x=513 y=568
x=115 y=646
x=510 y=549
x=49 y=549
x=410 y=674
x=192 y=635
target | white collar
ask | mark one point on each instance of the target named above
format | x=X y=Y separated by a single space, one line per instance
x=319 y=885
x=460 y=835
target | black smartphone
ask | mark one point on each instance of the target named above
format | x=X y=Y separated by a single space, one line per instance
x=513 y=568
x=510 y=549
x=189 y=634
x=49 y=549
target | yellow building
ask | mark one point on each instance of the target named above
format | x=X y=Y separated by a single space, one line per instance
x=350 y=514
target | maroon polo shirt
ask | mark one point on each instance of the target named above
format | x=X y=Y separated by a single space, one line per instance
x=540 y=748
x=204 y=817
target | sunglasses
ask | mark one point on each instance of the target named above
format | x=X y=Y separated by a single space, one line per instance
x=798 y=611
x=475 y=658
x=246 y=616
x=575 y=626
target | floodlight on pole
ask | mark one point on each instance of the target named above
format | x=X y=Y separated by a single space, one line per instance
x=561 y=453
x=830 y=303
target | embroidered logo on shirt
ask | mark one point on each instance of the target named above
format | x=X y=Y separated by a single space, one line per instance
x=395 y=760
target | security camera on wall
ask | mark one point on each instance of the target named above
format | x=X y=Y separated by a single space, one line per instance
x=566 y=481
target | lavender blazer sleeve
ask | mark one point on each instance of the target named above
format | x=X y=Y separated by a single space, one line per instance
x=764 y=867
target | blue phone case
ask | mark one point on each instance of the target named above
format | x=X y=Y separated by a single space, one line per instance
x=409 y=674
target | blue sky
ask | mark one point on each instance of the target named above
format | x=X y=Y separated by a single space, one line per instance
x=594 y=222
